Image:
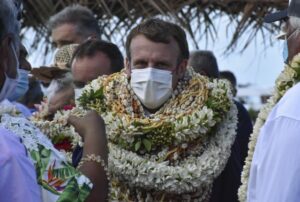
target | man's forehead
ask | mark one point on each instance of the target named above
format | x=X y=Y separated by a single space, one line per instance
x=141 y=45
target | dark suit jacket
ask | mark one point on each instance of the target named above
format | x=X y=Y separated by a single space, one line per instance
x=226 y=186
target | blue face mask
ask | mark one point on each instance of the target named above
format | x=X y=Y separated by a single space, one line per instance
x=285 y=52
x=22 y=85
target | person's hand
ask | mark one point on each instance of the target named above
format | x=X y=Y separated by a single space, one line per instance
x=90 y=125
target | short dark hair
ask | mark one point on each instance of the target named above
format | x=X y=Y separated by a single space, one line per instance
x=229 y=76
x=82 y=17
x=160 y=31
x=91 y=47
x=203 y=61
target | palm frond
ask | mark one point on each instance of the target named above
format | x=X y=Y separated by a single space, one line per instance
x=195 y=16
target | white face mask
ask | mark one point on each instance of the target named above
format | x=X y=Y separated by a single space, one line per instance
x=152 y=86
x=10 y=84
x=78 y=92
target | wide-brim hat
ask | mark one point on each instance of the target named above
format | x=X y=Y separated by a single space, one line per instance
x=62 y=65
x=292 y=10
x=47 y=74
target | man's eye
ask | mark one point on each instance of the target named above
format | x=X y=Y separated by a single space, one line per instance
x=162 y=65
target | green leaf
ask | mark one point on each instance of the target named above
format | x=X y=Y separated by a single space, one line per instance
x=71 y=192
x=45 y=153
x=74 y=192
x=137 y=145
x=147 y=144
x=49 y=188
x=64 y=173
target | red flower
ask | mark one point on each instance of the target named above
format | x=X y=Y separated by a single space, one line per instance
x=64 y=145
x=68 y=107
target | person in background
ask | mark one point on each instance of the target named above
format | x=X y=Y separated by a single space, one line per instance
x=228 y=75
x=205 y=63
x=62 y=94
x=28 y=160
x=59 y=89
x=226 y=186
x=150 y=90
x=92 y=59
x=74 y=24
x=274 y=167
x=34 y=95
x=23 y=82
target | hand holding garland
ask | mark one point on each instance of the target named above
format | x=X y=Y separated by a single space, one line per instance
x=92 y=129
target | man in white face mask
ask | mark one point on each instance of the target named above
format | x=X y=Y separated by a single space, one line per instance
x=155 y=64
x=154 y=112
x=92 y=59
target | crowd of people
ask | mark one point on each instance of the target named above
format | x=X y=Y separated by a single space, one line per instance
x=159 y=124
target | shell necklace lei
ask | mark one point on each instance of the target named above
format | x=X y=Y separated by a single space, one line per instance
x=286 y=80
x=175 y=153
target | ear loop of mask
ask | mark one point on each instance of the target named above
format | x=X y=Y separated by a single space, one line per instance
x=285 y=46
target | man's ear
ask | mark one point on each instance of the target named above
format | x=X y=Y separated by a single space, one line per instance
x=182 y=68
x=127 y=67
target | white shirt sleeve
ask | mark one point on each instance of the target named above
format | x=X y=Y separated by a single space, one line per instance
x=18 y=181
x=275 y=170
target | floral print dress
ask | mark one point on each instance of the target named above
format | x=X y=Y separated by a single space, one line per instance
x=59 y=180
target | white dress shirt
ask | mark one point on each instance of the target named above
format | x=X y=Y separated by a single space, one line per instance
x=275 y=169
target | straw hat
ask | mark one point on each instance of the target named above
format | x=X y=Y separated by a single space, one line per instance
x=62 y=65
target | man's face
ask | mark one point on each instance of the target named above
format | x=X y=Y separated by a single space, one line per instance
x=89 y=68
x=293 y=40
x=146 y=53
x=65 y=34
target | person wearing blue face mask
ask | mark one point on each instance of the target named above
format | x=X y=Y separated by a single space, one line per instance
x=287 y=37
x=22 y=84
x=23 y=72
x=272 y=167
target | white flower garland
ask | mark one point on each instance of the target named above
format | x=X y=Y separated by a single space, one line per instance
x=287 y=79
x=184 y=121
x=187 y=142
x=59 y=126
x=186 y=177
